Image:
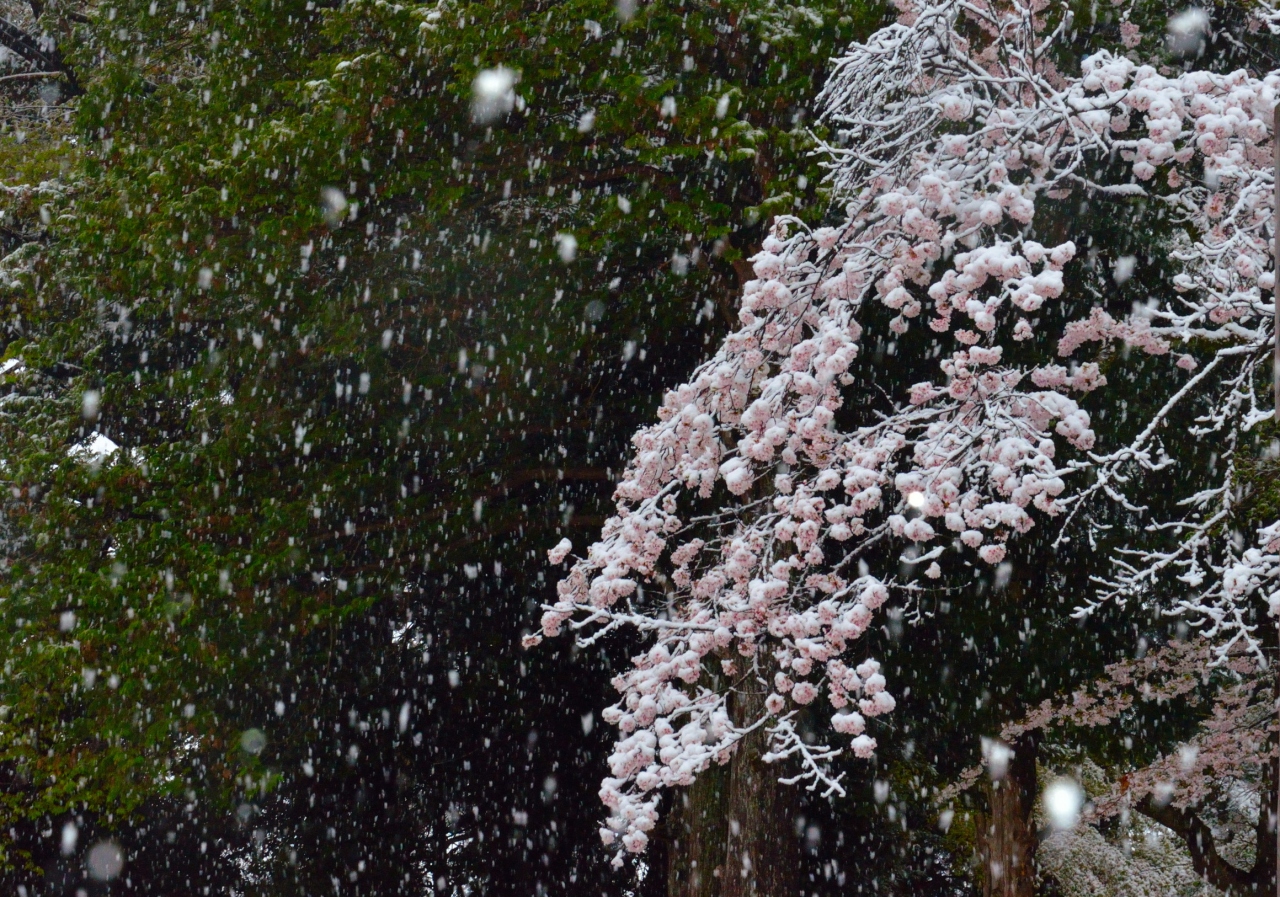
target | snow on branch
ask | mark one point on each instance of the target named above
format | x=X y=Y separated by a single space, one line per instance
x=1230 y=746
x=752 y=513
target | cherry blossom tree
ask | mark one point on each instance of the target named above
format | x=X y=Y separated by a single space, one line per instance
x=1225 y=760
x=761 y=520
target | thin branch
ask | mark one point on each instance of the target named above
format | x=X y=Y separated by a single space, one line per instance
x=25 y=76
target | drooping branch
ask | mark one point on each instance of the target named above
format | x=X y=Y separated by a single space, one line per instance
x=1187 y=825
x=25 y=46
x=29 y=76
x=946 y=151
x=33 y=51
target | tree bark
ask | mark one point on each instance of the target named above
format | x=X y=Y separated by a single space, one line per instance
x=697 y=826
x=1266 y=871
x=762 y=858
x=731 y=833
x=1274 y=792
x=1006 y=832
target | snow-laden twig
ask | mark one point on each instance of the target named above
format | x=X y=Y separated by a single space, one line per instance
x=953 y=127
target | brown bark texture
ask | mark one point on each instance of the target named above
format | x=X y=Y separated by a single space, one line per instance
x=762 y=858
x=732 y=833
x=696 y=827
x=1007 y=831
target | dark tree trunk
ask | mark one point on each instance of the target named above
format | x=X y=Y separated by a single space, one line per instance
x=1266 y=870
x=762 y=858
x=696 y=828
x=33 y=49
x=732 y=833
x=1007 y=832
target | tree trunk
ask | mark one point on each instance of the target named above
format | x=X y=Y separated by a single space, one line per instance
x=1007 y=832
x=1267 y=860
x=731 y=833
x=697 y=826
x=1266 y=872
x=762 y=858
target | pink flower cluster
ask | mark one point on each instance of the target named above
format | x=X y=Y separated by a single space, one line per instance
x=747 y=515
x=1229 y=747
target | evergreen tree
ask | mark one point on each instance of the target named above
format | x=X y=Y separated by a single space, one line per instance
x=343 y=309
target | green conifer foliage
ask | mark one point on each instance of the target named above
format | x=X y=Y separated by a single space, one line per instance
x=353 y=338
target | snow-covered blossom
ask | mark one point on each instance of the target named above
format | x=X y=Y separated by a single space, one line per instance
x=750 y=514
x=1231 y=744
